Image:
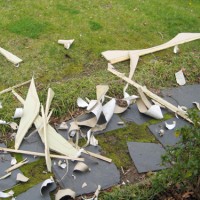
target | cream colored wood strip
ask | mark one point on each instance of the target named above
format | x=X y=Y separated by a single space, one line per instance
x=40 y=154
x=56 y=142
x=13 y=87
x=149 y=93
x=31 y=110
x=46 y=145
x=122 y=55
x=10 y=57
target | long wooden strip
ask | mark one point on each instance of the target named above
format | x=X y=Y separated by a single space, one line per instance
x=46 y=144
x=13 y=87
x=150 y=94
x=39 y=154
x=115 y=56
x=98 y=156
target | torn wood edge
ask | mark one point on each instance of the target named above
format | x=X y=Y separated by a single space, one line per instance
x=180 y=38
x=150 y=94
x=46 y=145
x=40 y=154
x=10 y=57
x=13 y=87
x=97 y=156
x=23 y=162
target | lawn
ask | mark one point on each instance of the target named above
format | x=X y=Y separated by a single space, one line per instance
x=31 y=29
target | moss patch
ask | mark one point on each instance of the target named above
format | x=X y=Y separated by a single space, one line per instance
x=34 y=172
x=114 y=143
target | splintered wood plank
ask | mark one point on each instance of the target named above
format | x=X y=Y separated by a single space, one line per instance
x=115 y=56
x=161 y=101
x=10 y=57
x=31 y=110
x=46 y=142
x=56 y=142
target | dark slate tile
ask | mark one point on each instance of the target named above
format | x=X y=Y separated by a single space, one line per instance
x=182 y=95
x=5 y=159
x=34 y=193
x=169 y=138
x=146 y=156
x=132 y=114
x=102 y=173
x=32 y=143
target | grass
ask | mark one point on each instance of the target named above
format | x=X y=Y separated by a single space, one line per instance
x=30 y=30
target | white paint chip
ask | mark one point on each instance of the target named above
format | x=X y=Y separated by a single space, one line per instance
x=170 y=126
x=180 y=78
x=18 y=113
x=6 y=194
x=13 y=161
x=22 y=178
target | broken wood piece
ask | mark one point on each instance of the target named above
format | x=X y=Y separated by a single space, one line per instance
x=90 y=119
x=106 y=115
x=23 y=162
x=21 y=178
x=66 y=43
x=40 y=154
x=64 y=194
x=5 y=176
x=31 y=110
x=13 y=161
x=47 y=156
x=63 y=126
x=45 y=184
x=128 y=99
x=6 y=194
x=10 y=57
x=197 y=105
x=145 y=107
x=122 y=55
x=18 y=113
x=81 y=103
x=180 y=79
x=81 y=167
x=170 y=126
x=150 y=94
x=13 y=87
x=176 y=49
x=101 y=90
x=97 y=156
x=133 y=64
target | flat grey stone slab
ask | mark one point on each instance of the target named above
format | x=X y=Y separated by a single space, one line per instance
x=132 y=114
x=5 y=160
x=182 y=95
x=34 y=193
x=146 y=156
x=102 y=173
x=32 y=143
x=169 y=138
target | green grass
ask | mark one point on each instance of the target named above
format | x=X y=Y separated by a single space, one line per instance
x=30 y=30
x=27 y=27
